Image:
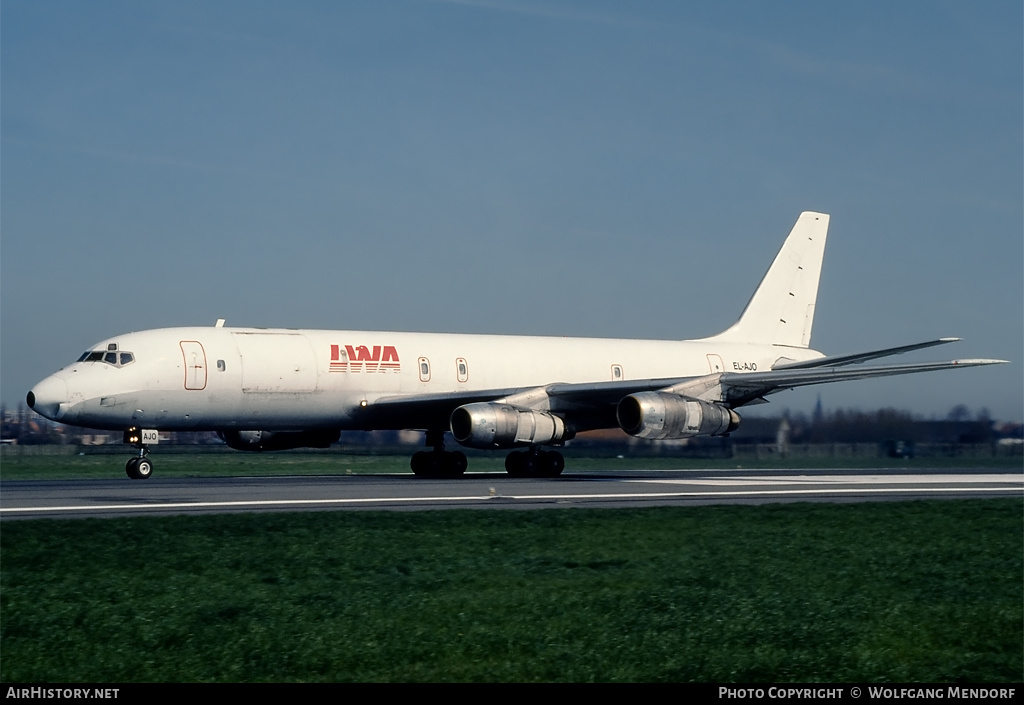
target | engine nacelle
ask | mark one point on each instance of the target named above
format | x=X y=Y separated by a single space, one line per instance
x=488 y=425
x=659 y=416
x=278 y=440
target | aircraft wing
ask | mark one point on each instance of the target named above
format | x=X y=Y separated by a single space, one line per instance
x=592 y=404
x=735 y=389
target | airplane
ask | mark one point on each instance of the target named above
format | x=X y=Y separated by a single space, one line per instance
x=276 y=389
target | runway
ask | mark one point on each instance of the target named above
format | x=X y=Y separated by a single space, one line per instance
x=25 y=499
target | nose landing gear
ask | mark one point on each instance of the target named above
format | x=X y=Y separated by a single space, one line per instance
x=140 y=467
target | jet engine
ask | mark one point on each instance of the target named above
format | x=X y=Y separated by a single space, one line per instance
x=658 y=416
x=489 y=425
x=278 y=440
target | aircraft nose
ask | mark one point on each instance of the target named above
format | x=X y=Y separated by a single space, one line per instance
x=47 y=396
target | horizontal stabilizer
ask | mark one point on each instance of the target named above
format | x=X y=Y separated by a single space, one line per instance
x=742 y=385
x=857 y=358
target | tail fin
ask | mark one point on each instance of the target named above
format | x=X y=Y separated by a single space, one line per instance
x=781 y=311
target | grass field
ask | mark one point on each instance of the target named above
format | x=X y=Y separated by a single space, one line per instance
x=895 y=592
x=187 y=461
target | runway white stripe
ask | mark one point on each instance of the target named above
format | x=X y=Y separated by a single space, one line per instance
x=839 y=479
x=488 y=498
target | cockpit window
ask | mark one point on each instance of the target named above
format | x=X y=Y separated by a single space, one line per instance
x=111 y=358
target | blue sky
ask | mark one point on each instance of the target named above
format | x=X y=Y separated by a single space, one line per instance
x=551 y=168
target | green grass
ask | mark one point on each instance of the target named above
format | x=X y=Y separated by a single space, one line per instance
x=200 y=464
x=894 y=592
x=187 y=461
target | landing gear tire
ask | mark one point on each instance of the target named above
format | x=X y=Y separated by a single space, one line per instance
x=459 y=463
x=418 y=463
x=143 y=469
x=541 y=463
x=552 y=464
x=139 y=468
x=439 y=464
x=515 y=464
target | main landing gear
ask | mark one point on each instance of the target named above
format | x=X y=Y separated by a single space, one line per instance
x=534 y=463
x=438 y=462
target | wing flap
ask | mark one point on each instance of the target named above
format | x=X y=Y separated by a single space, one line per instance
x=422 y=411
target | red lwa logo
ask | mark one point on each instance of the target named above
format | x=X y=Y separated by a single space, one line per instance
x=360 y=358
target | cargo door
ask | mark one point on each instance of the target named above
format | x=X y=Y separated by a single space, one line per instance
x=276 y=362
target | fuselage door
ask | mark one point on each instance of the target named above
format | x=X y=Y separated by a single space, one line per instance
x=195 y=364
x=276 y=362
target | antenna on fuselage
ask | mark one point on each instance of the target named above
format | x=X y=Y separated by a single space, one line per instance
x=220 y=323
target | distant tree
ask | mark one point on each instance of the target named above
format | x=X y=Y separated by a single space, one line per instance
x=959 y=413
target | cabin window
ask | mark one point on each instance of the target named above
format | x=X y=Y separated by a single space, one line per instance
x=221 y=366
x=424 y=365
x=462 y=369
x=617 y=372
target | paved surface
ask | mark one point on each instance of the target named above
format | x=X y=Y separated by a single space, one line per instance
x=25 y=499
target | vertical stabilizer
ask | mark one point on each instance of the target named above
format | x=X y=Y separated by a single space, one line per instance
x=781 y=311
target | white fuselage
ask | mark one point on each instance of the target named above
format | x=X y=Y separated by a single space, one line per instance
x=203 y=378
